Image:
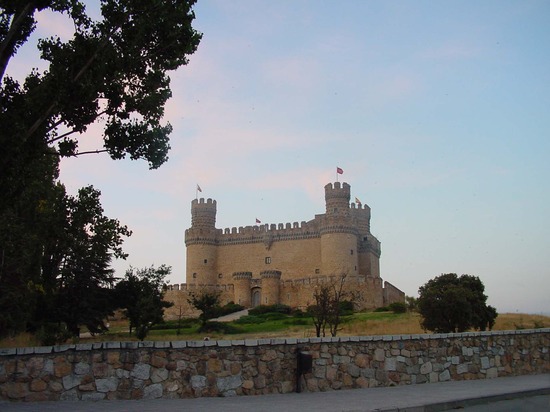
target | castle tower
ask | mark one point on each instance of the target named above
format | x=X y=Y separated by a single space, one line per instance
x=201 y=241
x=339 y=245
x=242 y=294
x=337 y=198
x=270 y=286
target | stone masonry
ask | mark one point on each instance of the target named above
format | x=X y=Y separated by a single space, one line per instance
x=281 y=263
x=183 y=369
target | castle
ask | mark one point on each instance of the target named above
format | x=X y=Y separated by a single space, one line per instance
x=271 y=264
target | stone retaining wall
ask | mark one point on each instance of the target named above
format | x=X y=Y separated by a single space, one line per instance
x=136 y=370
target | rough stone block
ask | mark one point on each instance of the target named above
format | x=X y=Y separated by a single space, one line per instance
x=152 y=391
x=71 y=381
x=180 y=344
x=107 y=384
x=229 y=382
x=93 y=397
x=141 y=371
x=445 y=376
x=111 y=345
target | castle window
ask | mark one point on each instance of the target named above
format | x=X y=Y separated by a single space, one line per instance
x=205 y=261
x=351 y=251
x=317 y=271
x=220 y=275
x=194 y=275
x=267 y=260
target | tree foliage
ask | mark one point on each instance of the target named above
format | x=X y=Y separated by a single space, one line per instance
x=76 y=277
x=449 y=303
x=207 y=301
x=141 y=294
x=111 y=71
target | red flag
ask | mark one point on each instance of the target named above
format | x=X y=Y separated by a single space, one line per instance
x=339 y=171
x=258 y=221
x=199 y=188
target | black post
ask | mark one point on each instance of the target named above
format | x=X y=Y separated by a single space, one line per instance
x=304 y=365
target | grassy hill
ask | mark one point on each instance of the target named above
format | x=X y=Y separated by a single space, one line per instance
x=279 y=325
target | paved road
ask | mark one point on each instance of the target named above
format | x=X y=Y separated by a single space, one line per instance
x=539 y=403
x=531 y=393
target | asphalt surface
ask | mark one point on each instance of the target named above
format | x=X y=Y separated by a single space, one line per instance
x=521 y=393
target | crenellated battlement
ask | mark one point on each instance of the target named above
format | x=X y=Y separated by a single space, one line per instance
x=242 y=275
x=281 y=262
x=337 y=190
x=198 y=287
x=203 y=213
x=273 y=274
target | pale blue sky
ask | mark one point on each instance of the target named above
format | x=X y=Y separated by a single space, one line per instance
x=438 y=112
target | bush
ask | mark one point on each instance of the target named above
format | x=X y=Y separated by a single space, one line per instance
x=382 y=309
x=299 y=313
x=50 y=334
x=221 y=327
x=230 y=307
x=173 y=324
x=249 y=319
x=296 y=321
x=259 y=310
x=398 y=307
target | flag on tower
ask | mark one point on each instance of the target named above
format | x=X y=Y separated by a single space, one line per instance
x=340 y=171
x=357 y=201
x=258 y=221
x=199 y=188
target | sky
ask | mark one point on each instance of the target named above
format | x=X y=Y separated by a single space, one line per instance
x=438 y=113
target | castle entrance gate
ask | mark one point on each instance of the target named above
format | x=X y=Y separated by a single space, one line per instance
x=256 y=297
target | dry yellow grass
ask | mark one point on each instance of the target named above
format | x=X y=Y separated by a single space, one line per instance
x=404 y=324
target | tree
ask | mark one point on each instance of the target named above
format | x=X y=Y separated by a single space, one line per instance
x=113 y=70
x=141 y=294
x=327 y=309
x=449 y=303
x=76 y=264
x=207 y=301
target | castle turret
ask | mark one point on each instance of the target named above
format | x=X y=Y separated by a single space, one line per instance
x=270 y=286
x=337 y=198
x=241 y=282
x=201 y=240
x=338 y=234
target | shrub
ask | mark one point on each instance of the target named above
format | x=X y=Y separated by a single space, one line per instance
x=382 y=309
x=398 y=307
x=221 y=327
x=299 y=313
x=50 y=334
x=296 y=321
x=258 y=310
x=249 y=319
x=230 y=307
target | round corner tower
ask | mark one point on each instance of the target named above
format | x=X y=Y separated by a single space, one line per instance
x=270 y=286
x=241 y=282
x=339 y=251
x=201 y=240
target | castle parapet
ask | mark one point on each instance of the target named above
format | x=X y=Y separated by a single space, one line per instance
x=242 y=275
x=274 y=274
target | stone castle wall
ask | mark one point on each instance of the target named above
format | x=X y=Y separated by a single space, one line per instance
x=338 y=242
x=184 y=369
x=369 y=293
